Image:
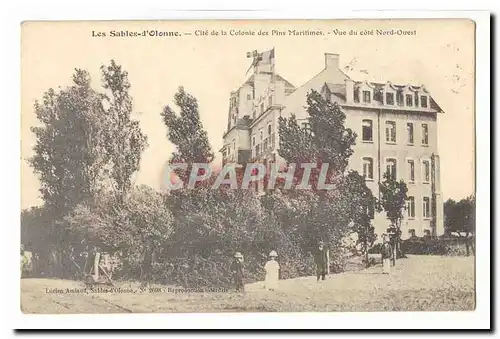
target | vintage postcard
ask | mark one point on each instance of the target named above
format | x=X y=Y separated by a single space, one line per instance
x=248 y=166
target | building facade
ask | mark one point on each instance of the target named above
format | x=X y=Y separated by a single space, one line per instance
x=396 y=127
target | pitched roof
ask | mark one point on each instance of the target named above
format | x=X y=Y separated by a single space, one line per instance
x=337 y=89
x=416 y=88
x=251 y=79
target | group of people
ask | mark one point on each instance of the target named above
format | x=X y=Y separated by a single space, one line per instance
x=321 y=260
x=272 y=267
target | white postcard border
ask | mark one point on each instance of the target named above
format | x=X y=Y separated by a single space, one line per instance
x=11 y=117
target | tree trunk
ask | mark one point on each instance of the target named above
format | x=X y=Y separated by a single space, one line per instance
x=96 y=265
x=147 y=264
x=367 y=263
x=328 y=262
x=467 y=250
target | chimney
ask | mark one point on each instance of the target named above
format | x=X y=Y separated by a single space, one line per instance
x=349 y=90
x=331 y=60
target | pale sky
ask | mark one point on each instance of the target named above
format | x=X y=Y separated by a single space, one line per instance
x=440 y=56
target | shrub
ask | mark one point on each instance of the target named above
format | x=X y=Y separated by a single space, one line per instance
x=434 y=246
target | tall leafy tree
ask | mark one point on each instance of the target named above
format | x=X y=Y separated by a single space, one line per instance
x=393 y=197
x=69 y=158
x=125 y=140
x=326 y=140
x=328 y=215
x=185 y=130
x=70 y=154
x=359 y=204
x=86 y=143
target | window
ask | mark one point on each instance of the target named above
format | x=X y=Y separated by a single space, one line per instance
x=426 y=171
x=409 y=130
x=416 y=99
x=249 y=97
x=367 y=130
x=253 y=140
x=270 y=101
x=410 y=207
x=269 y=129
x=261 y=108
x=254 y=114
x=425 y=134
x=399 y=98
x=390 y=131
x=389 y=98
x=234 y=146
x=228 y=149
x=409 y=100
x=426 y=207
x=368 y=168
x=423 y=101
x=306 y=127
x=224 y=154
x=411 y=232
x=411 y=170
x=261 y=135
x=391 y=168
x=366 y=96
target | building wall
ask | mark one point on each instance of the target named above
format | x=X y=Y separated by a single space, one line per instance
x=401 y=151
x=295 y=102
x=377 y=149
x=245 y=101
x=236 y=140
x=272 y=98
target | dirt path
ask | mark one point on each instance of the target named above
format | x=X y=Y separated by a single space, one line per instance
x=417 y=283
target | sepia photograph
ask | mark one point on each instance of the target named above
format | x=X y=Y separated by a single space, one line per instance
x=209 y=166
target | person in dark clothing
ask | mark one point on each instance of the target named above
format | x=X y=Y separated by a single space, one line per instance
x=237 y=270
x=321 y=261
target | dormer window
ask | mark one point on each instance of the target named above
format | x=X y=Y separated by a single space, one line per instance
x=378 y=95
x=249 y=97
x=423 y=101
x=399 y=98
x=389 y=98
x=409 y=100
x=366 y=97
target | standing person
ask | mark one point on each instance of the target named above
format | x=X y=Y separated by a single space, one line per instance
x=386 y=254
x=237 y=270
x=321 y=261
x=272 y=272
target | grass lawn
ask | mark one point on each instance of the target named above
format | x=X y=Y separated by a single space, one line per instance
x=419 y=283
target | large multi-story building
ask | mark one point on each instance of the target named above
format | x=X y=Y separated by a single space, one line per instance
x=396 y=127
